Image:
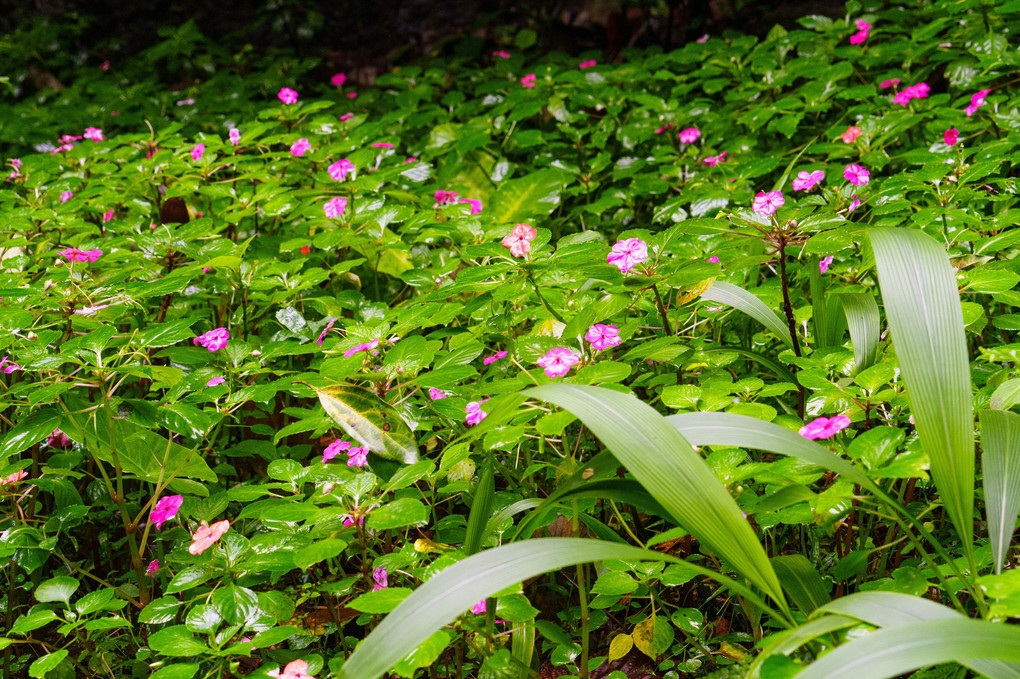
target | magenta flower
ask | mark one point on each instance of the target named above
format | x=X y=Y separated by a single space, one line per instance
x=528 y=81
x=767 y=203
x=476 y=205
x=690 y=135
x=712 y=161
x=58 y=439
x=338 y=79
x=951 y=136
x=335 y=207
x=216 y=381
x=489 y=360
x=197 y=151
x=977 y=100
x=367 y=346
x=436 y=394
x=108 y=216
x=287 y=95
x=76 y=255
x=862 y=32
x=235 y=136
x=299 y=147
x=664 y=128
x=806 y=181
x=382 y=145
x=603 y=336
x=357 y=457
x=381 y=579
x=853 y=205
x=712 y=260
x=93 y=134
x=334 y=449
x=8 y=368
x=587 y=64
x=166 y=508
x=329 y=326
x=891 y=82
x=626 y=254
x=823 y=265
x=474 y=413
x=410 y=159
x=918 y=91
x=856 y=175
x=340 y=169
x=352 y=95
x=213 y=340
x=824 y=427
x=444 y=197
x=66 y=196
x=557 y=362
x=501 y=54
x=478 y=608
x=152 y=567
x=345 y=117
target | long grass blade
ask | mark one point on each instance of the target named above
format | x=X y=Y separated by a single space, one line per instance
x=801 y=581
x=1000 y=466
x=742 y=300
x=864 y=323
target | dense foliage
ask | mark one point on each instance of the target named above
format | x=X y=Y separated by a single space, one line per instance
x=655 y=366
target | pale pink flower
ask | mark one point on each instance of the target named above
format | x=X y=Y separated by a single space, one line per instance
x=216 y=381
x=824 y=427
x=93 y=134
x=891 y=82
x=702 y=39
x=476 y=205
x=213 y=340
x=557 y=362
x=333 y=449
x=152 y=567
x=287 y=95
x=197 y=151
x=340 y=169
x=206 y=536
x=489 y=360
x=444 y=197
x=185 y=102
x=329 y=326
x=89 y=310
x=108 y=216
x=478 y=608
x=977 y=100
x=519 y=239
x=528 y=81
x=66 y=196
x=587 y=64
x=603 y=336
x=13 y=478
x=235 y=136
x=357 y=457
x=58 y=439
x=690 y=135
x=68 y=138
x=62 y=147
x=367 y=346
x=806 y=181
x=501 y=54
x=951 y=136
x=166 y=508
x=851 y=134
x=853 y=205
x=345 y=117
x=823 y=265
x=295 y=669
x=382 y=145
x=381 y=578
x=299 y=147
x=474 y=412
x=626 y=254
x=856 y=175
x=16 y=163
x=436 y=394
x=335 y=207
x=712 y=161
x=767 y=203
x=338 y=79
x=76 y=255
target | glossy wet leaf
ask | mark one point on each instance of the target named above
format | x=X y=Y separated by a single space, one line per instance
x=370 y=421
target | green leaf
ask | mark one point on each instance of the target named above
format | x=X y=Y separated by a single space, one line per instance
x=670 y=469
x=380 y=601
x=922 y=305
x=165 y=334
x=1000 y=463
x=33 y=621
x=29 y=431
x=176 y=641
x=370 y=421
x=653 y=636
x=425 y=654
x=1007 y=394
x=236 y=604
x=163 y=609
x=742 y=300
x=60 y=588
x=405 y=511
x=801 y=581
x=318 y=551
x=42 y=665
x=481 y=508
x=536 y=194
x=863 y=321
x=275 y=636
x=176 y=671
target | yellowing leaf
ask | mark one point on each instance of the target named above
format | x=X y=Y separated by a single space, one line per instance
x=732 y=651
x=695 y=291
x=653 y=636
x=370 y=421
x=620 y=646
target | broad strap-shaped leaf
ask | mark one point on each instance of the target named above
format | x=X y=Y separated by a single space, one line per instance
x=371 y=421
x=742 y=300
x=922 y=306
x=1000 y=466
x=672 y=472
x=864 y=322
x=801 y=581
x=456 y=588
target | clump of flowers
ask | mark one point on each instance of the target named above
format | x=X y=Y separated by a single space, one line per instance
x=93 y=134
x=861 y=35
x=951 y=136
x=626 y=254
x=519 y=241
x=557 y=362
x=213 y=340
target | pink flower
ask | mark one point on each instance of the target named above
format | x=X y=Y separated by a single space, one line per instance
x=235 y=136
x=8 y=368
x=295 y=669
x=329 y=326
x=626 y=254
x=335 y=207
x=367 y=346
x=68 y=138
x=519 y=240
x=334 y=449
x=712 y=161
x=853 y=205
x=197 y=151
x=702 y=39
x=338 y=79
x=501 y=54
x=105 y=65
x=382 y=580
x=287 y=95
x=767 y=203
x=528 y=81
x=712 y=260
x=213 y=340
x=474 y=412
x=185 y=102
x=824 y=427
x=664 y=128
x=152 y=567
x=489 y=360
x=13 y=478
x=165 y=509
x=93 y=134
x=823 y=265
x=860 y=36
x=444 y=197
x=345 y=117
x=410 y=159
x=357 y=457
x=299 y=147
x=108 y=216
x=382 y=145
x=216 y=381
x=76 y=255
x=349 y=521
x=340 y=169
x=977 y=100
x=690 y=135
x=856 y=175
x=587 y=64
x=951 y=136
x=206 y=536
x=436 y=394
x=603 y=336
x=58 y=439
x=476 y=205
x=66 y=196
x=16 y=163
x=806 y=181
x=557 y=362
x=851 y=134
x=891 y=82
x=918 y=91
x=478 y=608
x=862 y=25
x=62 y=147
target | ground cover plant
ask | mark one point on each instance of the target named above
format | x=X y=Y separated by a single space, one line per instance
x=699 y=363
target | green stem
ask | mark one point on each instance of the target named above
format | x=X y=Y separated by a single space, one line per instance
x=534 y=284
